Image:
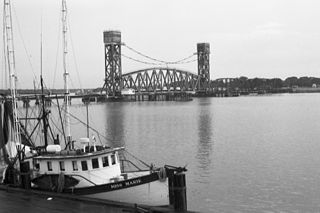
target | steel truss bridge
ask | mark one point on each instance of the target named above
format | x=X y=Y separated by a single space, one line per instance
x=164 y=79
x=152 y=79
x=161 y=79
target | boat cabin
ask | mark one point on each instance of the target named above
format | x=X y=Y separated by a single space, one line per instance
x=89 y=166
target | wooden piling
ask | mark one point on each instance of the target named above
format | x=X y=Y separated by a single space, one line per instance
x=25 y=175
x=26 y=103
x=180 y=195
x=170 y=174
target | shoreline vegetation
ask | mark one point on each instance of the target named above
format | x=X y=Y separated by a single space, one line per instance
x=242 y=85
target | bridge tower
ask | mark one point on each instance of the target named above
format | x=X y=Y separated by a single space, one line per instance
x=203 y=51
x=113 y=71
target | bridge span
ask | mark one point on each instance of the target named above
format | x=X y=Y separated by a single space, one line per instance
x=161 y=79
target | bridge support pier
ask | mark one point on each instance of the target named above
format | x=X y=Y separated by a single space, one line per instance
x=158 y=96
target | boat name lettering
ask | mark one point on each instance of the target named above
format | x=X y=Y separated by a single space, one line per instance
x=132 y=182
x=116 y=186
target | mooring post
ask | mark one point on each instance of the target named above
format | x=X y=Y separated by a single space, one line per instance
x=180 y=195
x=170 y=174
x=25 y=175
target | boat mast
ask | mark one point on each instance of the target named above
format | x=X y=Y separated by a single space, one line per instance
x=66 y=73
x=10 y=64
x=44 y=112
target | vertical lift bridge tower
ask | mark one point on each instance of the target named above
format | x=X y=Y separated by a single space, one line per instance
x=203 y=50
x=113 y=73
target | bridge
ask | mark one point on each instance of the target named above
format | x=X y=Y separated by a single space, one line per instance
x=155 y=80
x=160 y=79
x=156 y=83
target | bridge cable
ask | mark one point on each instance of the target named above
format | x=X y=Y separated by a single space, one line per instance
x=136 y=60
x=161 y=61
x=151 y=63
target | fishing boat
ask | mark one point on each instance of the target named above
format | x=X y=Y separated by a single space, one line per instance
x=80 y=166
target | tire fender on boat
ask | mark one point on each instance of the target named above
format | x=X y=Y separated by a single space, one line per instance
x=162 y=174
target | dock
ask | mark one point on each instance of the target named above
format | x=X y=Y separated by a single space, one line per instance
x=14 y=199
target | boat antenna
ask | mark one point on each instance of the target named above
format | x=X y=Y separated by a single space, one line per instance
x=66 y=73
x=44 y=112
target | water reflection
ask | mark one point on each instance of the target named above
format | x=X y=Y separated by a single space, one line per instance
x=205 y=133
x=115 y=115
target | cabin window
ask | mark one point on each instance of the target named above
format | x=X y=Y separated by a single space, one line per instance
x=113 y=159
x=49 y=164
x=62 y=168
x=95 y=163
x=84 y=165
x=75 y=165
x=105 y=161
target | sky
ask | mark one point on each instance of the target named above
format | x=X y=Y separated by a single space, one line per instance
x=253 y=38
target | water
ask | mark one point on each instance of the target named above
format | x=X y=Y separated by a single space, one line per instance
x=244 y=154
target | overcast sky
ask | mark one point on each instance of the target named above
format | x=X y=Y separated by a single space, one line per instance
x=253 y=38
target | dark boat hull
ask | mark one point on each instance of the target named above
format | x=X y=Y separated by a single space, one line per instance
x=54 y=182
x=114 y=186
x=147 y=189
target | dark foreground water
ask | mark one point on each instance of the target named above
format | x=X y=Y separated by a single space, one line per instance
x=244 y=154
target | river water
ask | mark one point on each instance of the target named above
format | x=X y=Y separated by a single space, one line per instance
x=243 y=154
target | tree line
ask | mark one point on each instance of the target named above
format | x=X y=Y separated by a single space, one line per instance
x=244 y=83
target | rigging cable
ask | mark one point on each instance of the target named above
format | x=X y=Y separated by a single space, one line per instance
x=4 y=50
x=144 y=163
x=57 y=53
x=82 y=122
x=74 y=57
x=56 y=126
x=24 y=45
x=4 y=78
